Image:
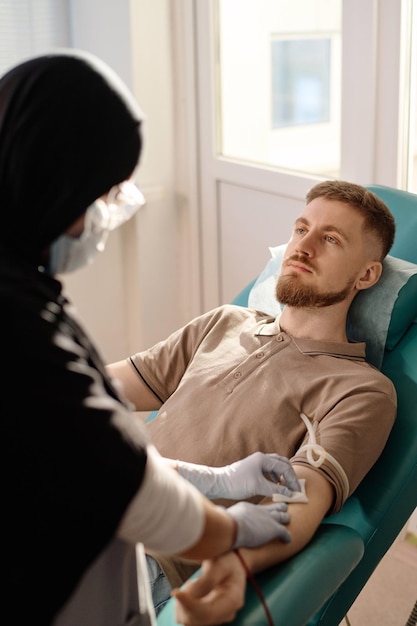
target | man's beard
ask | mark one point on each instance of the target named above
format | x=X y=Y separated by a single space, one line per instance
x=289 y=290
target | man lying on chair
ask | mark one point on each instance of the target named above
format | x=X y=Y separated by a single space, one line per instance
x=234 y=381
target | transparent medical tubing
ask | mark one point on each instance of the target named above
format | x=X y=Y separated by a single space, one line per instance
x=316 y=454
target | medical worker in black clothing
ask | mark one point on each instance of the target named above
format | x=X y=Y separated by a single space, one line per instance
x=79 y=474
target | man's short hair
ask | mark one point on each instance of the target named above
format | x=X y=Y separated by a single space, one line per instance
x=378 y=219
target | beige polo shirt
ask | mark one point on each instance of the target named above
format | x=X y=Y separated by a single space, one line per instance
x=232 y=383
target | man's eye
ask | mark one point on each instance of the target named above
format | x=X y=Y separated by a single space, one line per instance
x=330 y=239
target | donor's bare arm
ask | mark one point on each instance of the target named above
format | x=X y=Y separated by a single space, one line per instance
x=208 y=599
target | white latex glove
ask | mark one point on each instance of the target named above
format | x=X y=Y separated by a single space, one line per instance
x=258 y=524
x=256 y=475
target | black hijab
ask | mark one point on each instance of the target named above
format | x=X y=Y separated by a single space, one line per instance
x=69 y=131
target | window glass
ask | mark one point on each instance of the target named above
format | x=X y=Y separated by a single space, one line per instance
x=300 y=82
x=279 y=72
x=29 y=27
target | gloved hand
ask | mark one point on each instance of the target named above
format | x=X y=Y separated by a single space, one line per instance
x=243 y=479
x=258 y=523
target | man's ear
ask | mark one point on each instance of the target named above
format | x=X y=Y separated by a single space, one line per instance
x=370 y=275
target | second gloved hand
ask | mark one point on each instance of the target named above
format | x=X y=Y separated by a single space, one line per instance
x=257 y=523
x=243 y=479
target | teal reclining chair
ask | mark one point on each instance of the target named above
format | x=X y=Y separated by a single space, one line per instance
x=319 y=585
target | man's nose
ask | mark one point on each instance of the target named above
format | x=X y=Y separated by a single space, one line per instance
x=307 y=244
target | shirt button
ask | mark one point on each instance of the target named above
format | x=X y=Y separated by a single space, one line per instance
x=259 y=355
x=237 y=374
x=280 y=338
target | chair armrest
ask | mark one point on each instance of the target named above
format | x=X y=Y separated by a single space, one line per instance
x=296 y=589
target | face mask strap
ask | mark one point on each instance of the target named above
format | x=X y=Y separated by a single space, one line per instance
x=123 y=201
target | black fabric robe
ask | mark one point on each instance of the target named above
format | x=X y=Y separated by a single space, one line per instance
x=72 y=454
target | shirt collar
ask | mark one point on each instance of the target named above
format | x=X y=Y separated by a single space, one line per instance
x=349 y=350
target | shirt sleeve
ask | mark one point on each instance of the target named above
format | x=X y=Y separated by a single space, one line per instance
x=162 y=367
x=352 y=436
x=166 y=514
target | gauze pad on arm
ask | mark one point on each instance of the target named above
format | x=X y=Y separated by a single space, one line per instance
x=297 y=496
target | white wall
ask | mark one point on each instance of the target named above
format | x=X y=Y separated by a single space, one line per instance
x=128 y=297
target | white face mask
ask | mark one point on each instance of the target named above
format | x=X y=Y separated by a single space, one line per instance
x=68 y=254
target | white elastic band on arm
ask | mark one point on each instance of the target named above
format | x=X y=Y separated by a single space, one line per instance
x=313 y=448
